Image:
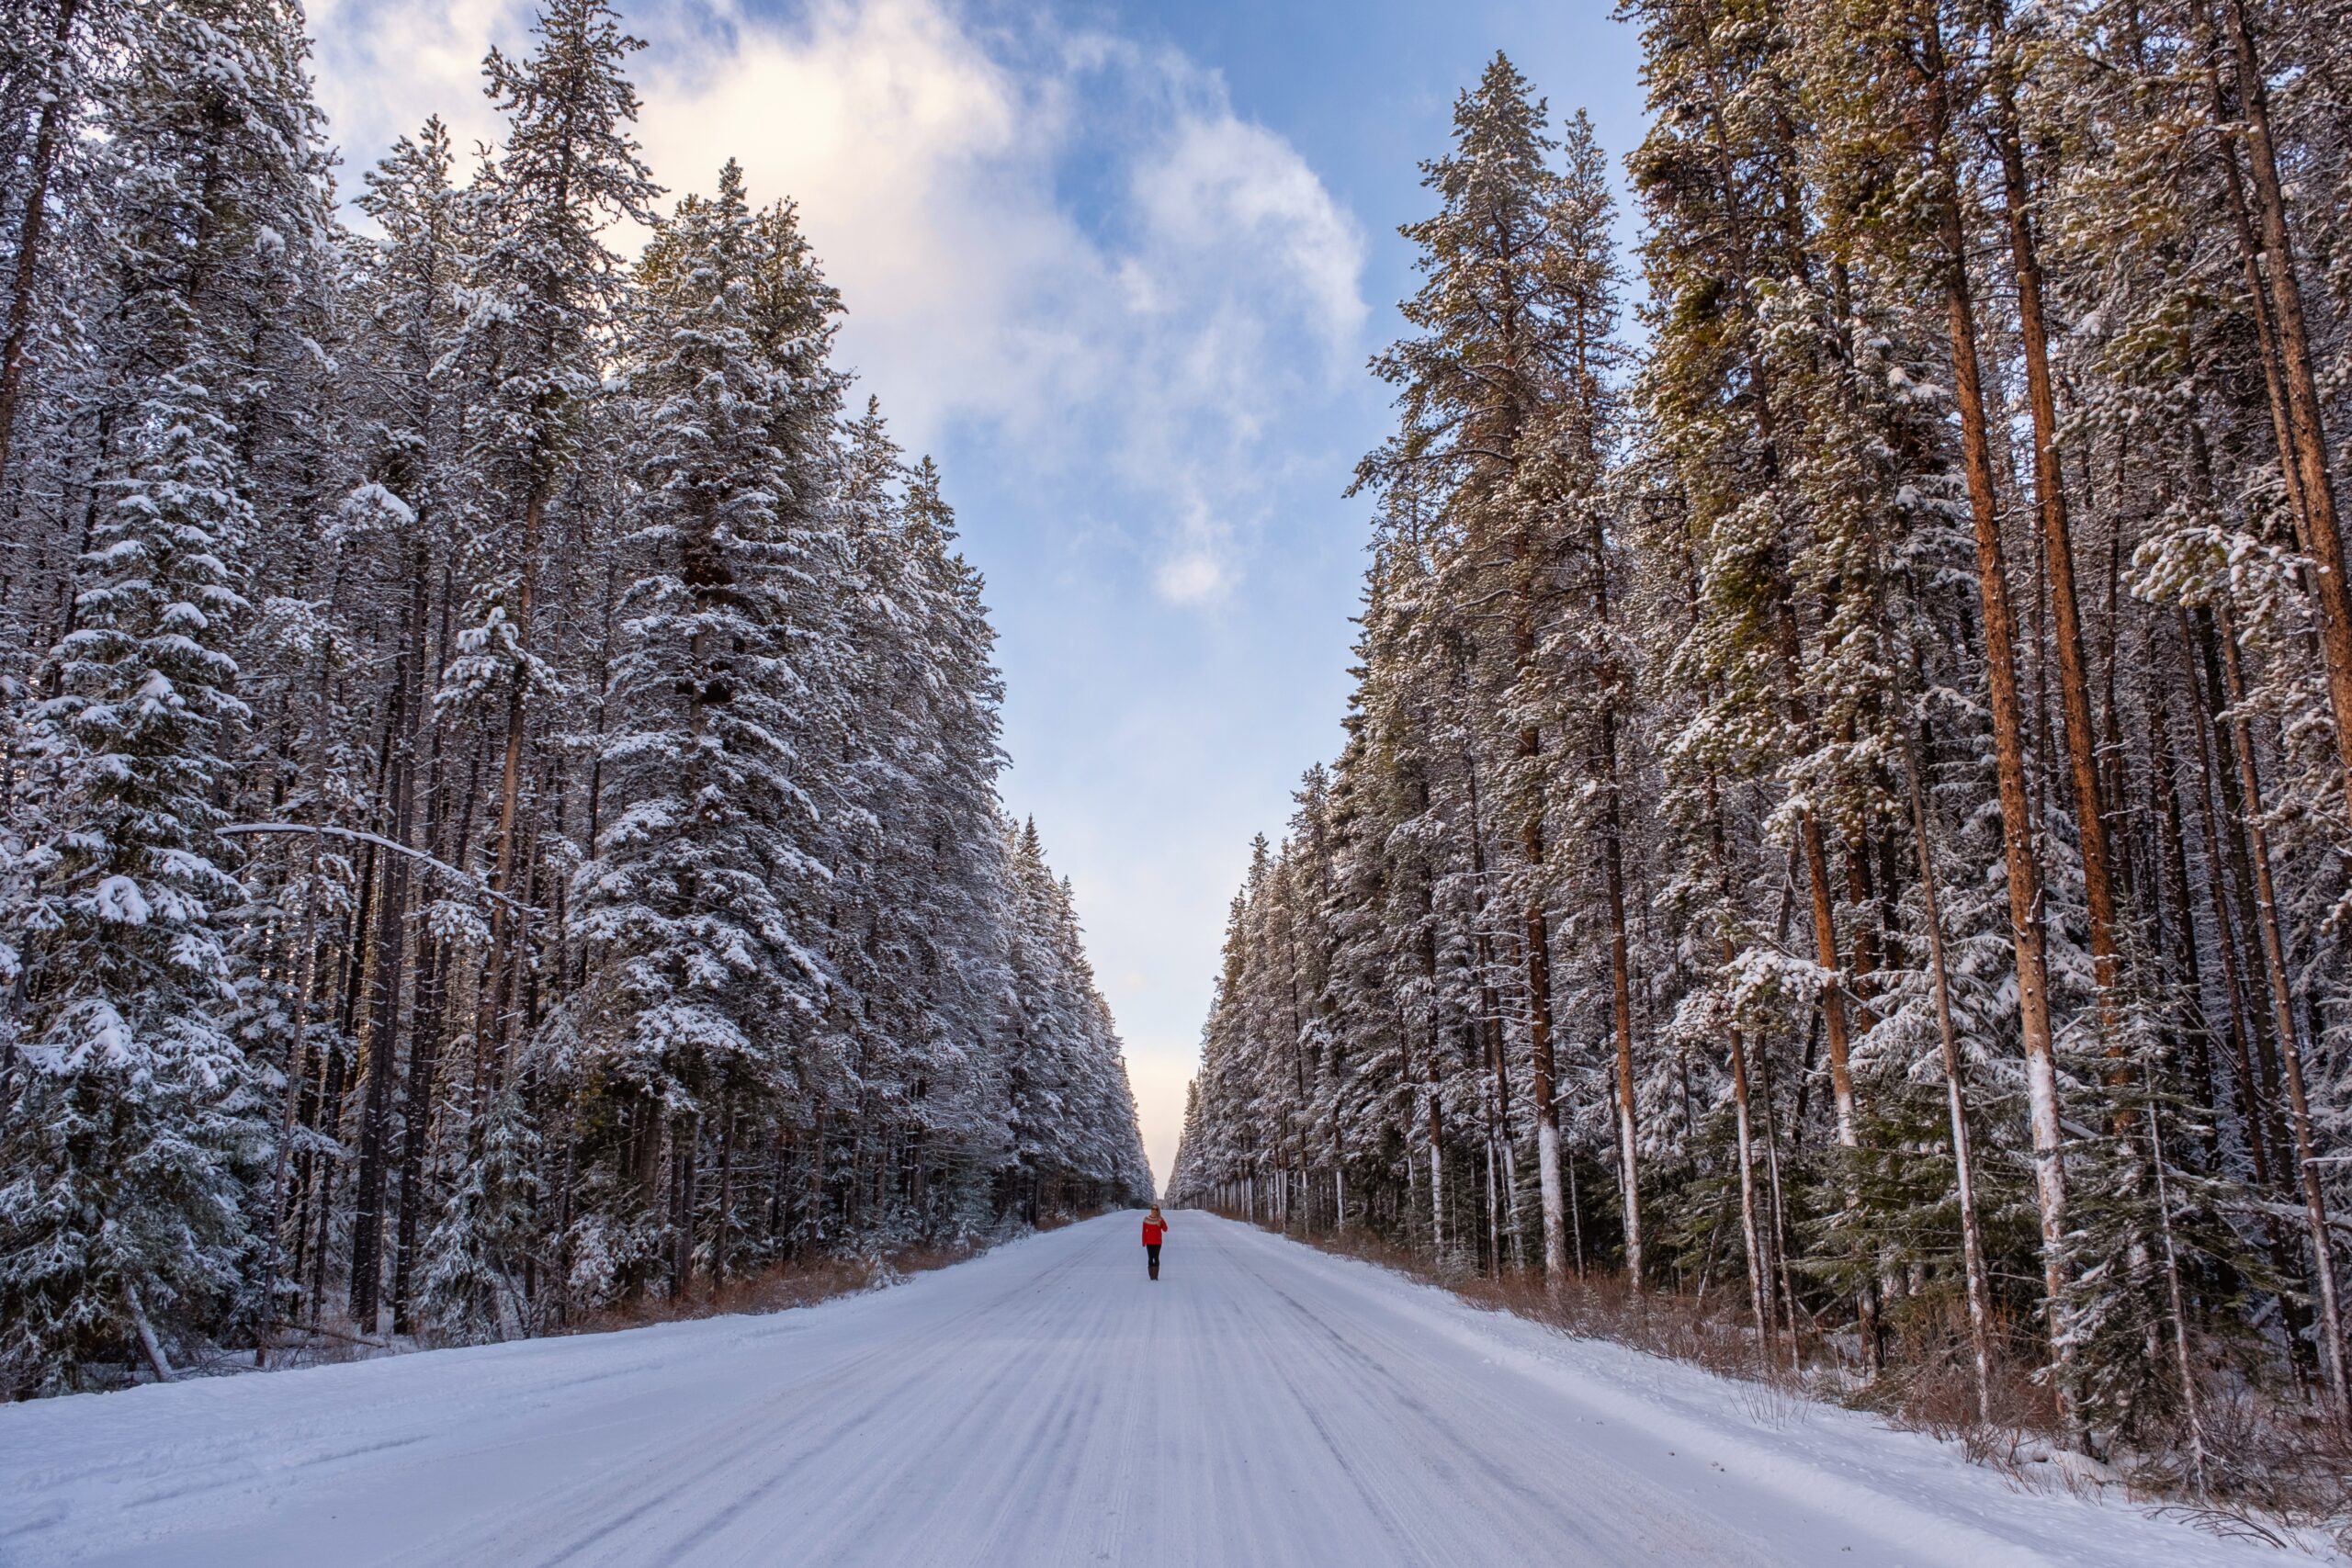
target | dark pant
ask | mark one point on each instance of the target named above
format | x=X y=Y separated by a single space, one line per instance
x=1151 y=1253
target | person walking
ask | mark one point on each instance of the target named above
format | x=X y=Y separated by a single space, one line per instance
x=1155 y=1231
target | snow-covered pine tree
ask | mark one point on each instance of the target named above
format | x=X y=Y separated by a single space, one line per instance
x=1502 y=394
x=138 y=1126
x=540 y=313
x=134 y=1121
x=697 y=908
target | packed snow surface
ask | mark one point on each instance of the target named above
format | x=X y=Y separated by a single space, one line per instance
x=1045 y=1405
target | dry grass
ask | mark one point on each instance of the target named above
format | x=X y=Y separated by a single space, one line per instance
x=806 y=1281
x=777 y=1289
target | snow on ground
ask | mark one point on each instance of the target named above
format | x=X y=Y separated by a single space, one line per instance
x=1043 y=1405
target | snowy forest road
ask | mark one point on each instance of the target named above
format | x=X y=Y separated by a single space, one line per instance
x=1043 y=1405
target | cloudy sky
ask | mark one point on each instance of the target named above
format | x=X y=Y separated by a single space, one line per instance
x=1119 y=267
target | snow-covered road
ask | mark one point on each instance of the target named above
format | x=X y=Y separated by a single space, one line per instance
x=1045 y=1405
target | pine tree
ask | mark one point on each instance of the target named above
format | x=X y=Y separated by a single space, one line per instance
x=1504 y=425
x=540 y=319
x=696 y=907
x=133 y=1115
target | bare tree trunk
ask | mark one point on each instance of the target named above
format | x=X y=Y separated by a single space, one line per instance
x=416 y=1125
x=1841 y=1073
x=2274 y=954
x=146 y=1331
x=1621 y=997
x=1780 y=1218
x=2172 y=868
x=298 y=1042
x=1490 y=1011
x=2182 y=1360
x=1545 y=1083
x=726 y=1225
x=683 y=1134
x=383 y=1029
x=2024 y=873
x=1436 y=1111
x=1972 y=1235
x=335 y=1063
x=2058 y=551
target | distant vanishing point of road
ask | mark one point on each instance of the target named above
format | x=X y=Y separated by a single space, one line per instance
x=1045 y=1405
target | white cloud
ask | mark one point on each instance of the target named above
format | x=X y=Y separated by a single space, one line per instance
x=1223 y=179
x=1193 y=576
x=382 y=68
x=1197 y=564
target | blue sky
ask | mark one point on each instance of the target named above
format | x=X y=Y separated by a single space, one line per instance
x=1119 y=267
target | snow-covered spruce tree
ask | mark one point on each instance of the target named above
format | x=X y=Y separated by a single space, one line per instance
x=471 y=1267
x=921 y=948
x=136 y=1127
x=1073 y=1139
x=541 y=304
x=696 y=909
x=1504 y=427
x=127 y=1144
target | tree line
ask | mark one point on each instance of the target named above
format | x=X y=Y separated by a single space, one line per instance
x=1844 y=799
x=500 y=816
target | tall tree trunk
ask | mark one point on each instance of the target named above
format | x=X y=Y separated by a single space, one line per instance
x=722 y=1238
x=2058 y=553
x=490 y=1027
x=1544 y=1086
x=1841 y=1073
x=2273 y=953
x=428 y=1014
x=1537 y=934
x=1620 y=998
x=298 y=1041
x=387 y=974
x=1972 y=1238
x=416 y=1123
x=1435 y=1080
x=1759 y=1279
x=2024 y=874
x=2175 y=905
x=1613 y=877
x=1490 y=1009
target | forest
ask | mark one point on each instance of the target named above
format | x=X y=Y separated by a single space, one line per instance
x=1844 y=803
x=499 y=824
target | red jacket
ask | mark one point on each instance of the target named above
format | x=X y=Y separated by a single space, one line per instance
x=1153 y=1232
